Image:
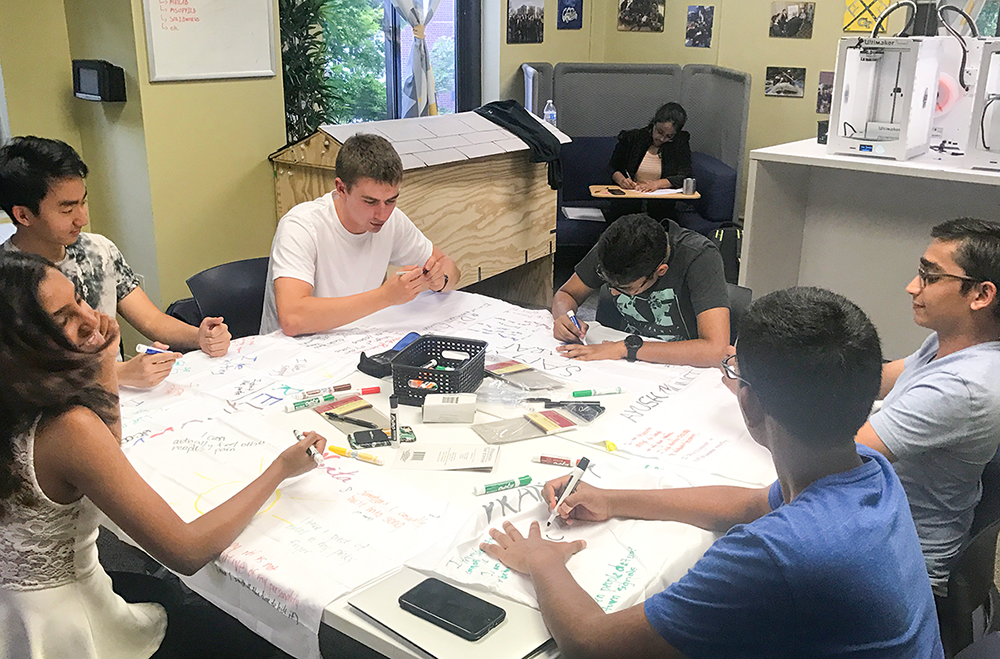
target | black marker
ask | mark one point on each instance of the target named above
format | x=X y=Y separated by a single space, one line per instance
x=578 y=471
x=350 y=419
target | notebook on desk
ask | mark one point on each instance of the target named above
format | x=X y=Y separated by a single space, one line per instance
x=520 y=634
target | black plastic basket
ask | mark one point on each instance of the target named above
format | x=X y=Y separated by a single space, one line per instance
x=408 y=365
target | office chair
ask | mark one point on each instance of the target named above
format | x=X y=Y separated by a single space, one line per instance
x=739 y=302
x=234 y=291
x=970 y=585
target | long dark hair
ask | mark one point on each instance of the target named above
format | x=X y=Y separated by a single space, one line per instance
x=44 y=374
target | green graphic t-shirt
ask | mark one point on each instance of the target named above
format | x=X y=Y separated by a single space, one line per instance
x=695 y=282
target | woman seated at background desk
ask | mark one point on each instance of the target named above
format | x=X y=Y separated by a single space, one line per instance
x=647 y=159
x=61 y=465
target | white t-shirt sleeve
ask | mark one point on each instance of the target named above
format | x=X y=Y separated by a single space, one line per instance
x=409 y=246
x=294 y=251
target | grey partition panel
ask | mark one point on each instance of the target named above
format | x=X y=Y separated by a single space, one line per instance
x=539 y=76
x=717 y=101
x=598 y=100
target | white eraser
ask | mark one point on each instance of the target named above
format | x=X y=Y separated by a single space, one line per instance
x=449 y=408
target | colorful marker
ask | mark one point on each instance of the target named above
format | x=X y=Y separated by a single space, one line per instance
x=316 y=401
x=490 y=488
x=597 y=392
x=357 y=455
x=311 y=450
x=574 y=480
x=322 y=392
x=143 y=349
x=558 y=460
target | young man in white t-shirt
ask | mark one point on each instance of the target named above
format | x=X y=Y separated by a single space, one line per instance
x=329 y=256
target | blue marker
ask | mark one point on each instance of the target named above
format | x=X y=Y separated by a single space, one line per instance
x=572 y=317
x=143 y=349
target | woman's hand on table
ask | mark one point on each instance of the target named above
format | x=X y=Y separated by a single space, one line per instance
x=295 y=460
x=623 y=181
x=647 y=186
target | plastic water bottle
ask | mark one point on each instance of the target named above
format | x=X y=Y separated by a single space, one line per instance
x=549 y=113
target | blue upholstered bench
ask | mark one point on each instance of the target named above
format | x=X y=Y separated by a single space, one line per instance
x=585 y=162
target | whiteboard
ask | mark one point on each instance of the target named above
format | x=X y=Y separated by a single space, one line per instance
x=199 y=39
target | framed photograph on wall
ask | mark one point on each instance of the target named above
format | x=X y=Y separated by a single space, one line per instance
x=640 y=15
x=525 y=21
x=570 y=15
x=698 y=33
x=792 y=20
x=785 y=81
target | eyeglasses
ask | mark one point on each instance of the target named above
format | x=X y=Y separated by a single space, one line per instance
x=927 y=278
x=645 y=283
x=730 y=370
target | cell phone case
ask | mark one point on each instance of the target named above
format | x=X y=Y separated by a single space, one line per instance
x=364 y=439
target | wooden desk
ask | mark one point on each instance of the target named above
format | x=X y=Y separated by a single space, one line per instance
x=604 y=192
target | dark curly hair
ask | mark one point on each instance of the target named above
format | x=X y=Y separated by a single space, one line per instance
x=44 y=374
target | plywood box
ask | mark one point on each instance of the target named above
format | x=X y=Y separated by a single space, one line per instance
x=468 y=185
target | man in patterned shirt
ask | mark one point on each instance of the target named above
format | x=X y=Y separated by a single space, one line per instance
x=42 y=189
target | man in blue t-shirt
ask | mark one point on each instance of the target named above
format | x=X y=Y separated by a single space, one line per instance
x=940 y=422
x=824 y=563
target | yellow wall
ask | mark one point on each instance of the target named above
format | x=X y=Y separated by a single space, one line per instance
x=211 y=184
x=179 y=173
x=583 y=45
x=34 y=56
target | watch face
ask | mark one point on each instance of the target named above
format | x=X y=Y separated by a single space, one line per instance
x=633 y=341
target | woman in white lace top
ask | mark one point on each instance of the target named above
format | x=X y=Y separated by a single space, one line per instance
x=61 y=464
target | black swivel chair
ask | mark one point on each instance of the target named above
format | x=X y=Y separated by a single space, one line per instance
x=971 y=585
x=739 y=302
x=234 y=291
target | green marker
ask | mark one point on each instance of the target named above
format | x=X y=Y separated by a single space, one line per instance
x=583 y=393
x=502 y=485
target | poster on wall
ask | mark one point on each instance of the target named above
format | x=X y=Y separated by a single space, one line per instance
x=640 y=15
x=824 y=93
x=570 y=15
x=785 y=81
x=525 y=21
x=698 y=33
x=792 y=20
x=860 y=15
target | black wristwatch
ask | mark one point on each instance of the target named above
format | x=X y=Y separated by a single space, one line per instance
x=632 y=344
x=445 y=284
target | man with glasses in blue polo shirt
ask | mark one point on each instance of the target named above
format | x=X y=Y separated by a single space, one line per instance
x=665 y=283
x=940 y=422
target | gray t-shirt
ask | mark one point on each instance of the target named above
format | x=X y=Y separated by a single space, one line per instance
x=942 y=421
x=97 y=269
x=695 y=281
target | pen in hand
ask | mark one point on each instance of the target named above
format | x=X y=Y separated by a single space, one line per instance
x=350 y=419
x=310 y=450
x=574 y=480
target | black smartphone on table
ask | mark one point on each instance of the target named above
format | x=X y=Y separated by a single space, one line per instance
x=452 y=609
x=616 y=191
